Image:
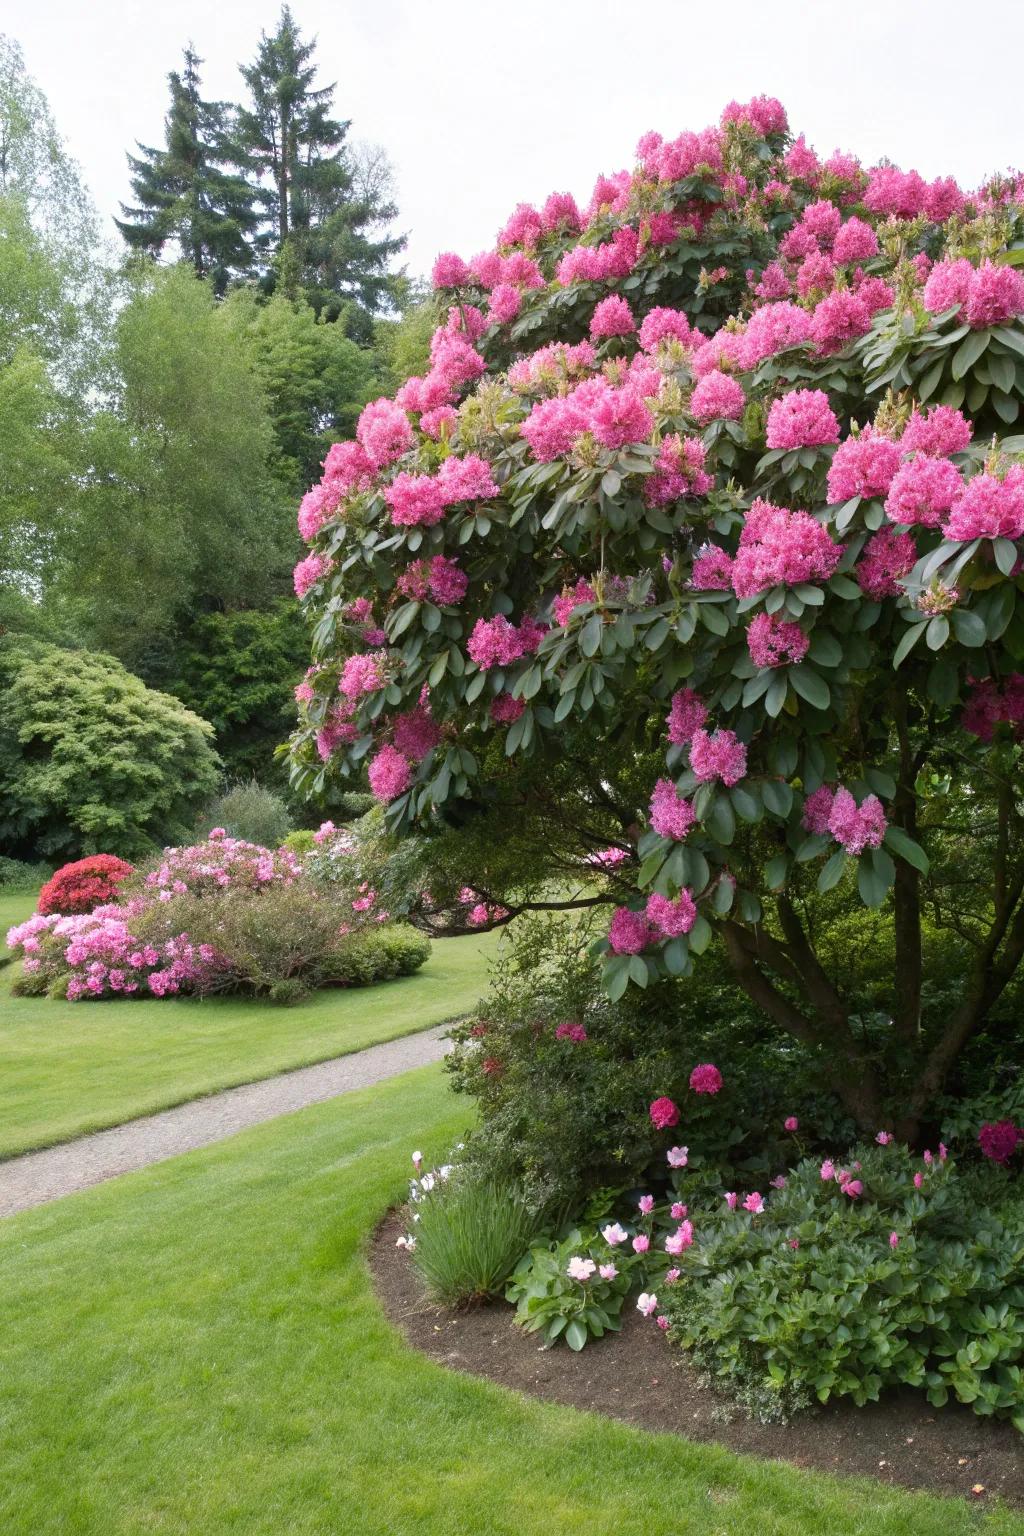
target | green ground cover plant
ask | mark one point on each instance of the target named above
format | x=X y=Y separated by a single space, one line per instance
x=222 y=1365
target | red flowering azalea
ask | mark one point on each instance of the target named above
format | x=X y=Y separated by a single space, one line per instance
x=83 y=885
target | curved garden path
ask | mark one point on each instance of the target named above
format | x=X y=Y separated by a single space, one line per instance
x=37 y=1177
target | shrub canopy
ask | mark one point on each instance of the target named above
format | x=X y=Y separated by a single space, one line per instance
x=91 y=760
x=693 y=563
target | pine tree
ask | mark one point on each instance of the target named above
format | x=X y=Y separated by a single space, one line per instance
x=322 y=225
x=184 y=191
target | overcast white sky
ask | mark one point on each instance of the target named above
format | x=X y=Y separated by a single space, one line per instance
x=481 y=105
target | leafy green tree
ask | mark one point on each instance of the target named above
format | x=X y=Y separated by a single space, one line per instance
x=184 y=193
x=182 y=513
x=315 y=378
x=91 y=760
x=323 y=214
x=238 y=671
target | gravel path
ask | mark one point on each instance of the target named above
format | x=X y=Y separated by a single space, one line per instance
x=63 y=1170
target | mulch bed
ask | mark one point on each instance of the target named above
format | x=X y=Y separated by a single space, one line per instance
x=637 y=1376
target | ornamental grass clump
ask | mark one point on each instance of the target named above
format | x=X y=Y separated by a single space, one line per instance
x=699 y=541
x=468 y=1233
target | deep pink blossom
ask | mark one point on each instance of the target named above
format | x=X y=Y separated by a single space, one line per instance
x=390 y=774
x=661 y=323
x=775 y=642
x=664 y=1113
x=712 y=569
x=706 y=1078
x=923 y=491
x=612 y=317
x=855 y=241
x=781 y=548
x=817 y=810
x=771 y=329
x=999 y=1140
x=989 y=508
x=494 y=643
x=854 y=826
x=670 y=814
x=671 y=918
x=939 y=430
x=995 y=296
x=802 y=418
x=948 y=285
x=686 y=715
x=863 y=466
x=718 y=755
x=717 y=397
x=384 y=432
x=886 y=558
x=630 y=932
x=840 y=317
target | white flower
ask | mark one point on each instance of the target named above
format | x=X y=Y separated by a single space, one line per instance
x=417 y=1161
x=581 y=1269
x=408 y=1243
x=427 y=1182
x=646 y=1303
x=614 y=1234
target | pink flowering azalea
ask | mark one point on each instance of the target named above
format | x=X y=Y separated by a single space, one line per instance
x=828 y=1170
x=754 y=1203
x=883 y=1138
x=574 y=1032
x=641 y=1243
x=781 y=548
x=894 y=1239
x=384 y=433
x=989 y=508
x=998 y=1141
x=677 y=1157
x=732 y=1200
x=646 y=1304
x=791 y=1123
x=677 y=1210
x=646 y=1204
x=670 y=814
x=938 y=431
x=854 y=826
x=863 y=466
x=661 y=324
x=614 y=1234
x=630 y=932
x=887 y=557
x=923 y=490
x=607 y=1271
x=853 y=1188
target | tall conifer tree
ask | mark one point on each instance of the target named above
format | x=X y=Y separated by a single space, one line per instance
x=188 y=191
x=321 y=232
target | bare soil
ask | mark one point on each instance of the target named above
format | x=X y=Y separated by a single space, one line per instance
x=636 y=1375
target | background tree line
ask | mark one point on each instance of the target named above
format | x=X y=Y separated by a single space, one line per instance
x=163 y=408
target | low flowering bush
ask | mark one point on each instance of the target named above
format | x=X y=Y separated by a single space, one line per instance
x=220 y=915
x=886 y=1270
x=83 y=884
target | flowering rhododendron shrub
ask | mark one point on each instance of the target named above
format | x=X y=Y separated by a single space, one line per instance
x=699 y=542
x=83 y=884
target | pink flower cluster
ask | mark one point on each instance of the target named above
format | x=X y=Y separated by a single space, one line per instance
x=670 y=814
x=498 y=643
x=802 y=418
x=781 y=548
x=686 y=715
x=678 y=471
x=992 y=704
x=718 y=755
x=615 y=417
x=775 y=642
x=989 y=294
x=835 y=813
x=441 y=578
x=424 y=499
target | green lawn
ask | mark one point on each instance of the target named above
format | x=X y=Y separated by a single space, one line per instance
x=67 y=1068
x=195 y=1349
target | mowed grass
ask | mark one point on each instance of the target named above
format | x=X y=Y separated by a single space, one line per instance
x=68 y=1068
x=196 y=1349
